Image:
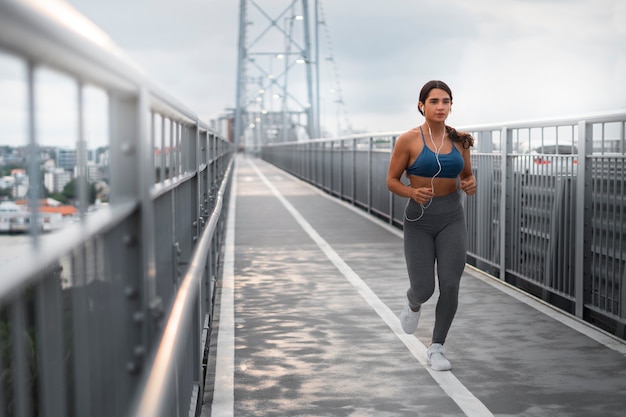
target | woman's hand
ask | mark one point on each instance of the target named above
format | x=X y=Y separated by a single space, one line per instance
x=422 y=195
x=468 y=184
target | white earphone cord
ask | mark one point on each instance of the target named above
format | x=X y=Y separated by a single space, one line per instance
x=432 y=180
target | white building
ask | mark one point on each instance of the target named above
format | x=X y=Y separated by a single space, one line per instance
x=7 y=182
x=56 y=179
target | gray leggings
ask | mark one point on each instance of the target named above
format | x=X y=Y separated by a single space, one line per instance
x=439 y=234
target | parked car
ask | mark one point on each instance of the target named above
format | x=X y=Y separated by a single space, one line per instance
x=552 y=159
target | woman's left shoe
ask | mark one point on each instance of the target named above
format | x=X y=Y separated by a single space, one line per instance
x=437 y=358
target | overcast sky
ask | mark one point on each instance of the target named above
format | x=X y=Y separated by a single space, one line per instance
x=505 y=60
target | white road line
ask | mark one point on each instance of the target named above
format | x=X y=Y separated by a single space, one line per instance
x=471 y=406
x=223 y=404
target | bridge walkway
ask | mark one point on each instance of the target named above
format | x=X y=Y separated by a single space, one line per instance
x=306 y=325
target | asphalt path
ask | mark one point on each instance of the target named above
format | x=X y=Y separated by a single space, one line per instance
x=306 y=324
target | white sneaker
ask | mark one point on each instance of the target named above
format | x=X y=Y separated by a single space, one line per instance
x=437 y=358
x=409 y=319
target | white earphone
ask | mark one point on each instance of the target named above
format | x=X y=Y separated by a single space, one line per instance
x=432 y=180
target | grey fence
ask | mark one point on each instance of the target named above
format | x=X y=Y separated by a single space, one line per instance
x=549 y=215
x=111 y=314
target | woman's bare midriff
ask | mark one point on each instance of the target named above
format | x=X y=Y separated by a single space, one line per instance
x=442 y=186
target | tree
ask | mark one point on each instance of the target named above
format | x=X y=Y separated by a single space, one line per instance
x=60 y=197
x=70 y=191
x=5 y=170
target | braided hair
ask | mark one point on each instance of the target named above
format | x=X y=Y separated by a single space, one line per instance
x=463 y=138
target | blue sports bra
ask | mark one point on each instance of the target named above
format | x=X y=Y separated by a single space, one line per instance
x=426 y=163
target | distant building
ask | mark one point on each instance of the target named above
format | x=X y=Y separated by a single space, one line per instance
x=56 y=179
x=7 y=182
x=18 y=173
x=66 y=158
x=92 y=155
x=7 y=186
x=20 y=186
x=93 y=172
x=103 y=158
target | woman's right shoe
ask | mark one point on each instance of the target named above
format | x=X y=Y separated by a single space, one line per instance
x=409 y=319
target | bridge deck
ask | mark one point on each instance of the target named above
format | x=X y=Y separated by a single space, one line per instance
x=313 y=328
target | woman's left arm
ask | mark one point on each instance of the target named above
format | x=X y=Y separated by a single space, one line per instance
x=468 y=181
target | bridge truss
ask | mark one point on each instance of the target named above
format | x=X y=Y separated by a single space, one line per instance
x=277 y=73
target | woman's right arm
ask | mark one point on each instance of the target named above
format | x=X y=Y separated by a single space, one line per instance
x=400 y=158
x=397 y=165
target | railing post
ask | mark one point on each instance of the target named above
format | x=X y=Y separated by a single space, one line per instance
x=163 y=160
x=483 y=204
x=392 y=202
x=370 y=145
x=198 y=160
x=582 y=242
x=341 y=166
x=353 y=179
x=309 y=161
x=506 y=191
x=325 y=157
x=331 y=187
x=34 y=179
x=202 y=187
x=130 y=245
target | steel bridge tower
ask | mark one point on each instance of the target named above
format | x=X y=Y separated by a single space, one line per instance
x=277 y=74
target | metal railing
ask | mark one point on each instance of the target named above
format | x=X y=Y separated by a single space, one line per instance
x=549 y=215
x=110 y=315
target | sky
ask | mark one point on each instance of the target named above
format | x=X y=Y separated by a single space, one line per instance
x=505 y=60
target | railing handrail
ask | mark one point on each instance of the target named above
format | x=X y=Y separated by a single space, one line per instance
x=160 y=379
x=117 y=275
x=595 y=117
x=570 y=120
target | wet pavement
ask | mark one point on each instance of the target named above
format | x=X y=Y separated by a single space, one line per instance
x=316 y=286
